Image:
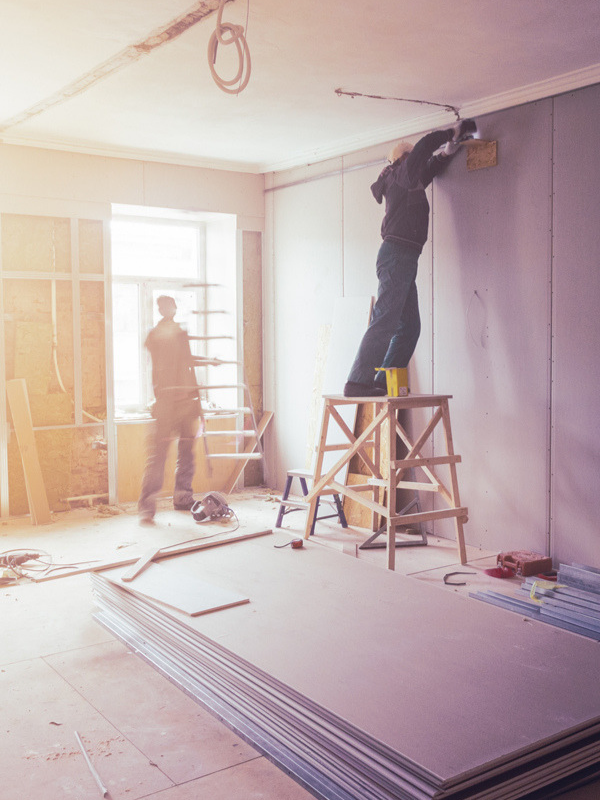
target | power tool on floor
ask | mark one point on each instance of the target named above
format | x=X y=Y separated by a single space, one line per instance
x=212 y=505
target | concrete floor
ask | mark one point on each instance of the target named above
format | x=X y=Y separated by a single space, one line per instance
x=60 y=672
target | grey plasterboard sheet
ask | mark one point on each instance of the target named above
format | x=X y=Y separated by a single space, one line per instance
x=534 y=777
x=327 y=625
x=194 y=653
x=171 y=584
x=319 y=760
x=491 y=343
x=244 y=728
x=537 y=776
x=576 y=325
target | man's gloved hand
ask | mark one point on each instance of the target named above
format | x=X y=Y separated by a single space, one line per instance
x=450 y=148
x=463 y=130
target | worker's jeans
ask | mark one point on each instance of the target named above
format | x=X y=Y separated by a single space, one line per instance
x=393 y=332
x=172 y=420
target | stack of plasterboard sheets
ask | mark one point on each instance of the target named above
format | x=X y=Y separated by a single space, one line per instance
x=365 y=684
x=573 y=603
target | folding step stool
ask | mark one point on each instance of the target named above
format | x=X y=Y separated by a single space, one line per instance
x=287 y=505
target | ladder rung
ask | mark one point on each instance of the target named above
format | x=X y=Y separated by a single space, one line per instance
x=207 y=411
x=222 y=386
x=210 y=311
x=207 y=361
x=230 y=433
x=207 y=338
x=238 y=456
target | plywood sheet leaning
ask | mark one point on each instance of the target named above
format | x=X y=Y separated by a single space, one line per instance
x=18 y=400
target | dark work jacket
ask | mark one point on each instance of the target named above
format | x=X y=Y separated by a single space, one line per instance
x=403 y=185
x=172 y=365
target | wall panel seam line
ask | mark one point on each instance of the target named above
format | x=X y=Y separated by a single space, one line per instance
x=4 y=506
x=77 y=371
x=110 y=430
x=551 y=311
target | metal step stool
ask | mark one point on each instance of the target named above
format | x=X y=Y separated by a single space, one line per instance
x=287 y=505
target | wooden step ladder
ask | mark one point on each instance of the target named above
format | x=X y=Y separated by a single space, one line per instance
x=388 y=471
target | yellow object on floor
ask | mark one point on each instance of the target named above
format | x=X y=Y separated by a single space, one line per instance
x=396 y=379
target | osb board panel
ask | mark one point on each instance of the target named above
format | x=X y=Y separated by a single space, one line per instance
x=131 y=459
x=91 y=246
x=35 y=244
x=28 y=334
x=89 y=466
x=51 y=409
x=93 y=364
x=33 y=355
x=70 y=467
x=54 y=450
x=357 y=515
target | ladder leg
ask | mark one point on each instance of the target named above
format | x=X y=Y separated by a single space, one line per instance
x=312 y=508
x=340 y=511
x=458 y=521
x=284 y=496
x=391 y=492
x=316 y=516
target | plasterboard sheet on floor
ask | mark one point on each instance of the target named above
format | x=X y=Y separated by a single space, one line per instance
x=364 y=645
x=171 y=584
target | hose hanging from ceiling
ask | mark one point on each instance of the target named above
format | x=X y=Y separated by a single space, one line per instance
x=226 y=33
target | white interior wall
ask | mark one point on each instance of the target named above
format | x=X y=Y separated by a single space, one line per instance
x=33 y=179
x=488 y=289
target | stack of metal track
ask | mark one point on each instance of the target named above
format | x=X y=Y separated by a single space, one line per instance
x=572 y=603
x=361 y=683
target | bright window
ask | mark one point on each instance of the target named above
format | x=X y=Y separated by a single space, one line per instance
x=151 y=257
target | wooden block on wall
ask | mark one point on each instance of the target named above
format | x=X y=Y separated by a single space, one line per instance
x=16 y=391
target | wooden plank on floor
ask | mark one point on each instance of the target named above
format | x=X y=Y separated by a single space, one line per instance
x=18 y=400
x=168 y=550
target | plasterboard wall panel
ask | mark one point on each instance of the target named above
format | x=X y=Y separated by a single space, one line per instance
x=60 y=175
x=576 y=375
x=491 y=267
x=305 y=281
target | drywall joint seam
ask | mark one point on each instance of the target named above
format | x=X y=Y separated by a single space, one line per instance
x=134 y=52
x=552 y=328
x=332 y=173
x=4 y=506
x=110 y=431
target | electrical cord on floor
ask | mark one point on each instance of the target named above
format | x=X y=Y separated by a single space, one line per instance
x=210 y=536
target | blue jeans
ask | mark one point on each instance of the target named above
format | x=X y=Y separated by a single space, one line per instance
x=395 y=326
x=172 y=420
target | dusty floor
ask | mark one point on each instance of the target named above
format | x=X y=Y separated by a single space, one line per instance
x=60 y=672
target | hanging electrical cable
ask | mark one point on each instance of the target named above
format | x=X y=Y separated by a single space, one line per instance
x=447 y=106
x=55 y=333
x=226 y=33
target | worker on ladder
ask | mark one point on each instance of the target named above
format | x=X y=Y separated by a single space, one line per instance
x=395 y=326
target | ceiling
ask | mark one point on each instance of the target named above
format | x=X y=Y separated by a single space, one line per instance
x=115 y=77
